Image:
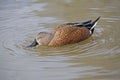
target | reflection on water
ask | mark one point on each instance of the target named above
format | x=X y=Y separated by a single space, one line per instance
x=95 y=58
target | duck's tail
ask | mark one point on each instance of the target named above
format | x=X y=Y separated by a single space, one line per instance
x=93 y=24
x=88 y=24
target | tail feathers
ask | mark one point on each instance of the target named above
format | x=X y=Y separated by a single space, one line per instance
x=96 y=20
x=93 y=24
x=80 y=24
x=88 y=24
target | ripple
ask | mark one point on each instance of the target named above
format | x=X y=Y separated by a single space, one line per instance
x=95 y=58
x=70 y=49
x=111 y=19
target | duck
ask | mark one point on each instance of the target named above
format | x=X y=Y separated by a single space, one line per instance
x=67 y=33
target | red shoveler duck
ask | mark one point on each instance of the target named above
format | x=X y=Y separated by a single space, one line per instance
x=66 y=34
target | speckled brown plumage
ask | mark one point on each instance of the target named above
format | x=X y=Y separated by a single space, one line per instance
x=66 y=34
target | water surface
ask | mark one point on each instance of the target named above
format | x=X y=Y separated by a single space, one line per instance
x=96 y=58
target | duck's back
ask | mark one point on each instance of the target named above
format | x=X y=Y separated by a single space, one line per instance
x=65 y=34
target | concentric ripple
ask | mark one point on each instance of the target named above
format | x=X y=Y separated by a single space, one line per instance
x=92 y=59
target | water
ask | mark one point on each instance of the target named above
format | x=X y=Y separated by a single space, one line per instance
x=96 y=58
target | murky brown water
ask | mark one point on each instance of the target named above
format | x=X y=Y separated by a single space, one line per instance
x=97 y=58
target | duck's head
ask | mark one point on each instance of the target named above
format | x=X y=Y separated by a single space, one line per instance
x=43 y=38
